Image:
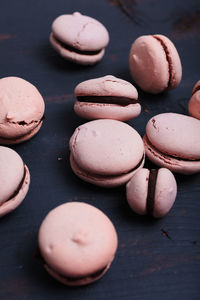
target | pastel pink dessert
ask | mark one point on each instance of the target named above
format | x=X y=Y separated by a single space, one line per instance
x=106 y=152
x=15 y=180
x=173 y=141
x=79 y=38
x=77 y=242
x=22 y=110
x=152 y=192
x=155 y=63
x=194 y=103
x=106 y=97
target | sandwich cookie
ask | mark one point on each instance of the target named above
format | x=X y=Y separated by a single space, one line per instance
x=152 y=192
x=106 y=97
x=15 y=180
x=106 y=152
x=194 y=103
x=173 y=141
x=22 y=110
x=77 y=242
x=155 y=64
x=79 y=38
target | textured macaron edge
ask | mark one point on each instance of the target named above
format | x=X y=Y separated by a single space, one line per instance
x=194 y=102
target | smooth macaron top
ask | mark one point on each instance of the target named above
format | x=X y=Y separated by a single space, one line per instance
x=80 y=31
x=22 y=106
x=11 y=172
x=106 y=147
x=106 y=86
x=154 y=63
x=175 y=134
x=77 y=239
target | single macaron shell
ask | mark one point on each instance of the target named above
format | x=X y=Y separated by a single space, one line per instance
x=173 y=141
x=106 y=152
x=194 y=103
x=22 y=110
x=106 y=97
x=79 y=38
x=15 y=180
x=155 y=63
x=78 y=243
x=152 y=192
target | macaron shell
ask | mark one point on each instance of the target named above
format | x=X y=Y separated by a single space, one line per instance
x=186 y=167
x=148 y=64
x=103 y=181
x=194 y=103
x=83 y=59
x=80 y=31
x=92 y=111
x=13 y=203
x=106 y=147
x=175 y=134
x=137 y=191
x=77 y=240
x=165 y=193
x=11 y=172
x=106 y=86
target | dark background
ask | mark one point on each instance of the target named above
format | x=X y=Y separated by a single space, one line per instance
x=156 y=259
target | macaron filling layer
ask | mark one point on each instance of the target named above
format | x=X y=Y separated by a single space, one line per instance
x=151 y=191
x=117 y=100
x=196 y=90
x=73 y=49
x=168 y=156
x=168 y=58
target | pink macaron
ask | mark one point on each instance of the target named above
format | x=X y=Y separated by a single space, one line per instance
x=22 y=110
x=155 y=63
x=194 y=103
x=106 y=97
x=78 y=243
x=15 y=180
x=79 y=38
x=106 y=152
x=173 y=141
x=152 y=192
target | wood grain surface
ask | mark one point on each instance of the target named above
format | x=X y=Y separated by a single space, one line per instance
x=156 y=259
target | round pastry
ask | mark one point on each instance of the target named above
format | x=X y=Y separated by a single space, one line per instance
x=78 y=243
x=79 y=38
x=106 y=152
x=155 y=64
x=194 y=103
x=173 y=141
x=15 y=180
x=106 y=97
x=152 y=192
x=22 y=110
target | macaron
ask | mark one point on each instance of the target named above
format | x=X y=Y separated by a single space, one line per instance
x=22 y=110
x=152 y=192
x=79 y=38
x=106 y=97
x=173 y=141
x=106 y=152
x=77 y=242
x=155 y=63
x=15 y=180
x=194 y=103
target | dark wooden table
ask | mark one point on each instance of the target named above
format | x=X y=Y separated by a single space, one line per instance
x=156 y=259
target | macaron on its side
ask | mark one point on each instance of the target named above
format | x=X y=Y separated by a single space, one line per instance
x=79 y=38
x=194 y=103
x=154 y=63
x=106 y=97
x=22 y=110
x=15 y=180
x=106 y=149
x=77 y=242
x=168 y=141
